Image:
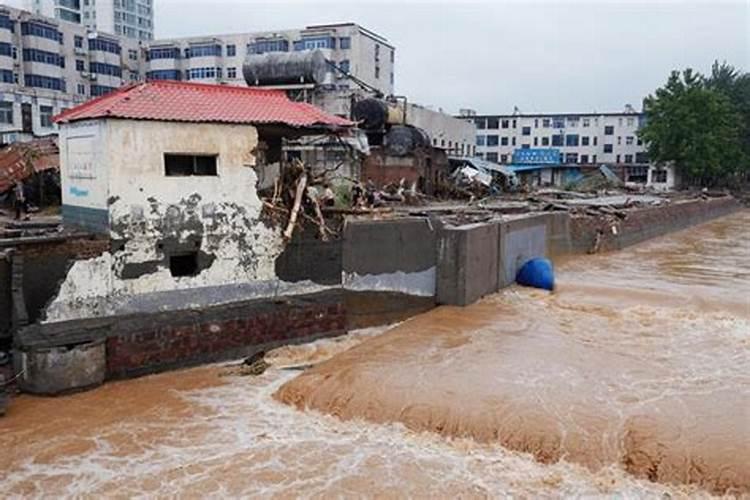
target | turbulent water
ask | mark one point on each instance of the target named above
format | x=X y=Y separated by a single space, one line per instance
x=637 y=370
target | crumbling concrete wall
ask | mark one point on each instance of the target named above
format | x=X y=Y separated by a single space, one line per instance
x=396 y=255
x=152 y=216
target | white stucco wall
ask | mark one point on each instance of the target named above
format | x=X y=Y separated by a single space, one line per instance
x=84 y=169
x=149 y=211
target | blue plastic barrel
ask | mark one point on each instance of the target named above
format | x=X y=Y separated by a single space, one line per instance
x=537 y=273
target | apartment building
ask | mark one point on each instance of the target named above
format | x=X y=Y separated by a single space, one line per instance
x=576 y=139
x=363 y=54
x=130 y=18
x=47 y=66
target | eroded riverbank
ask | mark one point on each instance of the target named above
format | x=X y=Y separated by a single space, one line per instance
x=639 y=361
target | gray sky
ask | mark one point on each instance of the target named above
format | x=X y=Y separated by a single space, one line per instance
x=551 y=56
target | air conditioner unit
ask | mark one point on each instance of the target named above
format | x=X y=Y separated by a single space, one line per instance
x=92 y=76
x=84 y=74
x=80 y=51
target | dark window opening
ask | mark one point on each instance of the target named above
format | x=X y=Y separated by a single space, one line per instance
x=183 y=264
x=176 y=165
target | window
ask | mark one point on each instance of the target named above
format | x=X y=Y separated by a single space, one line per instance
x=545 y=141
x=6 y=112
x=639 y=142
x=513 y=141
x=81 y=88
x=492 y=157
x=631 y=122
x=45 y=116
x=105 y=69
x=526 y=131
x=629 y=140
x=321 y=42
x=546 y=122
x=7 y=76
x=344 y=66
x=103 y=45
x=232 y=73
x=377 y=71
x=493 y=123
x=617 y=159
x=503 y=158
x=41 y=30
x=571 y=140
x=481 y=123
x=584 y=159
x=481 y=140
x=536 y=122
x=66 y=15
x=133 y=54
x=608 y=148
x=163 y=53
x=345 y=42
x=659 y=176
x=231 y=50
x=505 y=123
x=203 y=51
x=44 y=82
x=492 y=140
x=593 y=159
x=479 y=155
x=164 y=74
x=6 y=49
x=636 y=174
x=514 y=123
x=44 y=57
x=393 y=55
x=584 y=141
x=558 y=122
x=609 y=130
x=183 y=264
x=525 y=146
x=596 y=139
x=573 y=121
x=6 y=23
x=263 y=46
x=181 y=165
x=80 y=65
x=628 y=158
x=571 y=158
x=503 y=141
x=557 y=140
x=100 y=90
x=586 y=122
x=202 y=73
x=641 y=157
x=619 y=140
x=536 y=141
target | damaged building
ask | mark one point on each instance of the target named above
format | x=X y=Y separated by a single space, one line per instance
x=166 y=172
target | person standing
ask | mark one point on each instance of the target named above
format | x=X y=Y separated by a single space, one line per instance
x=20 y=201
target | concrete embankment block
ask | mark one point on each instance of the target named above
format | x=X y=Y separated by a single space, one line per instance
x=391 y=255
x=519 y=241
x=58 y=369
x=468 y=261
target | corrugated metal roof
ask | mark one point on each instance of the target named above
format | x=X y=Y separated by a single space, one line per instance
x=20 y=160
x=195 y=102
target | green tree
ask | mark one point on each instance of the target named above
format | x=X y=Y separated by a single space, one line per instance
x=736 y=86
x=695 y=127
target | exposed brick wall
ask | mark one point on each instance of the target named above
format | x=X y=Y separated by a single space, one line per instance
x=643 y=224
x=222 y=333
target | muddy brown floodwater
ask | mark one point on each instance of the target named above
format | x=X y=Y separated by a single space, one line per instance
x=638 y=364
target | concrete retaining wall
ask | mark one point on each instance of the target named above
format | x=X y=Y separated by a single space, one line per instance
x=519 y=241
x=468 y=262
x=390 y=255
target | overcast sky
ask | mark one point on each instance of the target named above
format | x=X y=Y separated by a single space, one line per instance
x=552 y=56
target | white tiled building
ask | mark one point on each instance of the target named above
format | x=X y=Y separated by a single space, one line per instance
x=129 y=18
x=48 y=65
x=582 y=139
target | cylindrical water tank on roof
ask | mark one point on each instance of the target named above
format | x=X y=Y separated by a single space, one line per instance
x=286 y=68
x=375 y=114
x=402 y=140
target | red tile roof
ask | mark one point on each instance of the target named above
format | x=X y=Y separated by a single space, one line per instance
x=195 y=102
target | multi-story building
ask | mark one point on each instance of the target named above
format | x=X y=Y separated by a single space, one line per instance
x=129 y=18
x=365 y=55
x=577 y=139
x=47 y=66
